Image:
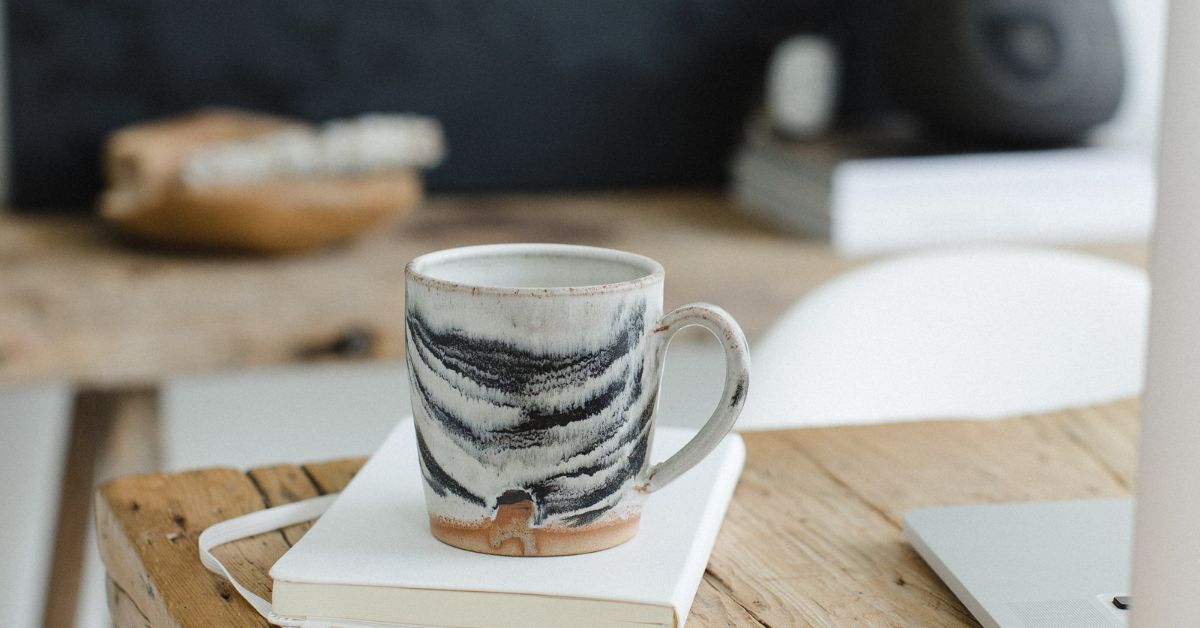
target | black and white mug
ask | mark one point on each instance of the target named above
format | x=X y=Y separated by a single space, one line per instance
x=535 y=372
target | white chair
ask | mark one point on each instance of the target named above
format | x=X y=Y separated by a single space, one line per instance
x=962 y=333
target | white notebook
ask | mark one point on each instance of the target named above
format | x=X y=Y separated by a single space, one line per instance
x=371 y=557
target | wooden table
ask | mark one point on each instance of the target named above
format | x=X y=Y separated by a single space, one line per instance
x=116 y=320
x=77 y=304
x=812 y=537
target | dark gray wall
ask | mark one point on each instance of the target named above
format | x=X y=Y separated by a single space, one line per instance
x=533 y=94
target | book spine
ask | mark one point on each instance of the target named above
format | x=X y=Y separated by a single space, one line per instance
x=706 y=535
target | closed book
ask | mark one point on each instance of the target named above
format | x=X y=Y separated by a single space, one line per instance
x=371 y=556
x=883 y=191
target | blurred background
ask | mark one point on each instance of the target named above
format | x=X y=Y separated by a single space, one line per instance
x=208 y=207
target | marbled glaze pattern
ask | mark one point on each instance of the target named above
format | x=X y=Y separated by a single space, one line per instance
x=567 y=425
x=534 y=407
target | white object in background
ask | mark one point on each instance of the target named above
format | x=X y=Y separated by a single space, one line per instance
x=881 y=204
x=1142 y=25
x=368 y=143
x=963 y=333
x=1069 y=196
x=267 y=416
x=802 y=86
x=1166 y=545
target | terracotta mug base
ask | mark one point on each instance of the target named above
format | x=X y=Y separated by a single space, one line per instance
x=485 y=538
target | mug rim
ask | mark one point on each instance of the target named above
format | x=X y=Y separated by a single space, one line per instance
x=653 y=270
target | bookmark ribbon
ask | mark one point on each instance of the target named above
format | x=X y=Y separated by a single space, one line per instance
x=260 y=522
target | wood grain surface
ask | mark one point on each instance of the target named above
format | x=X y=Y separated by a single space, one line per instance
x=79 y=304
x=812 y=537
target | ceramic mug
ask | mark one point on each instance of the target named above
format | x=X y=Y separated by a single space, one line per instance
x=535 y=372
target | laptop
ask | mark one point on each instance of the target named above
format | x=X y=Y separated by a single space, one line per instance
x=1067 y=564
x=1062 y=564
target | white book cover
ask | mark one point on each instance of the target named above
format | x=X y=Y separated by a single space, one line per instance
x=866 y=201
x=371 y=556
x=1066 y=195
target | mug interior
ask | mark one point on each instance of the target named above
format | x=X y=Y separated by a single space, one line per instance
x=534 y=267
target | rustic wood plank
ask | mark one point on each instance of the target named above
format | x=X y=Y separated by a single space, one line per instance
x=896 y=467
x=124 y=612
x=333 y=475
x=1108 y=432
x=65 y=300
x=715 y=607
x=254 y=556
x=798 y=548
x=812 y=537
x=282 y=484
x=173 y=512
x=148 y=526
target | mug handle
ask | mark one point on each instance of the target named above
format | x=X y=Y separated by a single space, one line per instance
x=737 y=381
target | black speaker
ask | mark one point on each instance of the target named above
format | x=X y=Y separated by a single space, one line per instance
x=1023 y=72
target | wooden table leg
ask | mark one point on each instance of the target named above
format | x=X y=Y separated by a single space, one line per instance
x=113 y=432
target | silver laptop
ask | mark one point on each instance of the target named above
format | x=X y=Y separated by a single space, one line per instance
x=1062 y=564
